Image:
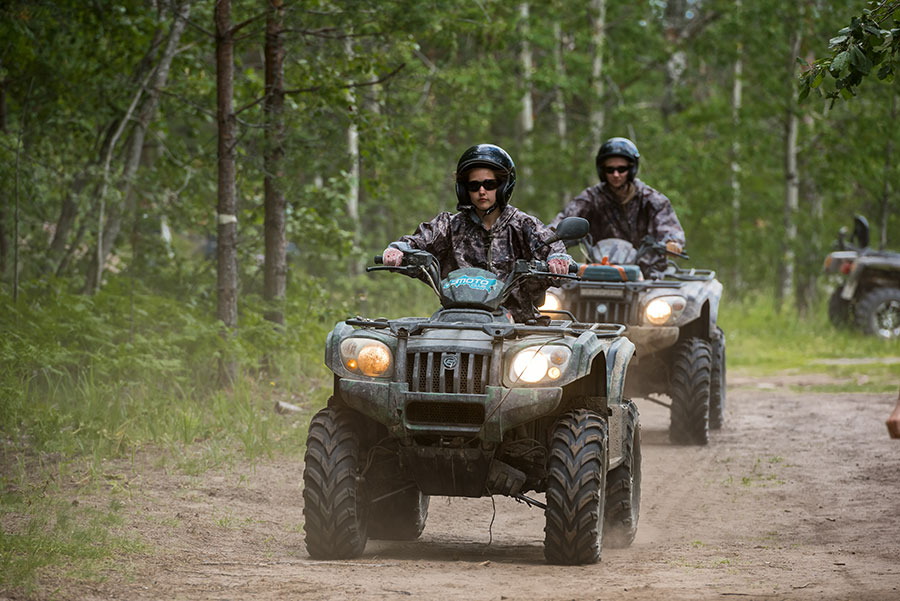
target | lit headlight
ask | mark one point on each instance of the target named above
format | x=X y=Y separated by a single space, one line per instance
x=663 y=309
x=537 y=363
x=366 y=356
x=551 y=302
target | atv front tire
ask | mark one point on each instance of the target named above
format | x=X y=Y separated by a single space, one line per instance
x=576 y=489
x=689 y=390
x=334 y=508
x=717 y=383
x=839 y=310
x=623 y=486
x=878 y=312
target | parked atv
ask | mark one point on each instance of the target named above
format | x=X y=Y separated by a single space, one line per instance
x=869 y=290
x=672 y=321
x=468 y=403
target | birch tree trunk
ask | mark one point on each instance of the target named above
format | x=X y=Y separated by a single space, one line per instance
x=275 y=270
x=888 y=168
x=792 y=181
x=675 y=22
x=145 y=115
x=226 y=249
x=737 y=89
x=598 y=47
x=559 y=101
x=353 y=158
x=526 y=114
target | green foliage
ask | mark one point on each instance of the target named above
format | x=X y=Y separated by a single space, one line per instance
x=863 y=47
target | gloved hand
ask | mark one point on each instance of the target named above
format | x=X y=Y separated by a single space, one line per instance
x=392 y=257
x=673 y=247
x=558 y=266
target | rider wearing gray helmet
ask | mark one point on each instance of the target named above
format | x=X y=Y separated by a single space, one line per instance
x=622 y=206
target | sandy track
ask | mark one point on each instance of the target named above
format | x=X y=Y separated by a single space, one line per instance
x=798 y=497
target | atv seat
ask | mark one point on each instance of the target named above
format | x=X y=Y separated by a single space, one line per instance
x=596 y=272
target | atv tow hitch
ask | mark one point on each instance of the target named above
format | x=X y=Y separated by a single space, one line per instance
x=529 y=501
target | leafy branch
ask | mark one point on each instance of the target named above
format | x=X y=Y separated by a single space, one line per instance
x=856 y=50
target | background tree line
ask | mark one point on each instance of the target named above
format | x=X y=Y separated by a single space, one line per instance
x=246 y=158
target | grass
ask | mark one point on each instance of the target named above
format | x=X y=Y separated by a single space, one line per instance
x=763 y=341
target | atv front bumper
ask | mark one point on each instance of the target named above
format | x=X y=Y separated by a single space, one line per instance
x=650 y=339
x=483 y=416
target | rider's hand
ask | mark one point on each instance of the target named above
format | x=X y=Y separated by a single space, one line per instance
x=673 y=247
x=392 y=257
x=558 y=266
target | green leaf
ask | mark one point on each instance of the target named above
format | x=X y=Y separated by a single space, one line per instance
x=837 y=40
x=817 y=80
x=859 y=60
x=840 y=61
x=846 y=93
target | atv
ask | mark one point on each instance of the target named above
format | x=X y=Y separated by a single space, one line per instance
x=467 y=403
x=672 y=321
x=869 y=289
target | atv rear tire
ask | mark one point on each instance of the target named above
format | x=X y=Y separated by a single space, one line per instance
x=400 y=516
x=839 y=310
x=334 y=507
x=689 y=389
x=623 y=486
x=878 y=312
x=717 y=383
x=576 y=489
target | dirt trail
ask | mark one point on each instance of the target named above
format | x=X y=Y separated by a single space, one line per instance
x=798 y=497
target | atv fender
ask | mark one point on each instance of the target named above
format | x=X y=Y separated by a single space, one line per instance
x=618 y=356
x=860 y=267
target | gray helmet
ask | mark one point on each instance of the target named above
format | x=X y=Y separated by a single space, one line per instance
x=618 y=147
x=492 y=157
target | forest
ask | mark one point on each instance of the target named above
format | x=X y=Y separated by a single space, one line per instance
x=218 y=170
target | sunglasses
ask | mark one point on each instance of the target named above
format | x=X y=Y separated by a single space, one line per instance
x=617 y=169
x=489 y=184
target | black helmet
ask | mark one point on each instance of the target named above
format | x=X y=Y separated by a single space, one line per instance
x=618 y=147
x=492 y=157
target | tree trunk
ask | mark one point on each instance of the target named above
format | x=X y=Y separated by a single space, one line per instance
x=675 y=19
x=4 y=237
x=145 y=115
x=526 y=113
x=275 y=277
x=737 y=89
x=559 y=101
x=888 y=168
x=598 y=46
x=353 y=157
x=792 y=182
x=226 y=250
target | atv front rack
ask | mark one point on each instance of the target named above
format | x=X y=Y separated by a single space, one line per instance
x=496 y=330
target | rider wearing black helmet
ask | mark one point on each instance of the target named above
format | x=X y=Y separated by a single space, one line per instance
x=622 y=206
x=487 y=232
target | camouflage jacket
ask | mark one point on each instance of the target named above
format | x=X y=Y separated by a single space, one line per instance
x=460 y=240
x=648 y=212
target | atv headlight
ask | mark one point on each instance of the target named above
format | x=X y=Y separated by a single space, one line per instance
x=663 y=309
x=537 y=363
x=551 y=302
x=366 y=356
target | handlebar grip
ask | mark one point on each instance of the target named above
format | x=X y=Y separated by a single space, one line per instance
x=573 y=267
x=378 y=260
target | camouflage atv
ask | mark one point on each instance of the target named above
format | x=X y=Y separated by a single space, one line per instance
x=869 y=289
x=672 y=321
x=467 y=403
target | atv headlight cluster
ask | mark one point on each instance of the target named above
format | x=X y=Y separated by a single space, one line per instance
x=536 y=363
x=551 y=302
x=664 y=309
x=366 y=356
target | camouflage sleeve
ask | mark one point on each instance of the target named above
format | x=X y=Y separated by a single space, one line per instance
x=580 y=206
x=664 y=221
x=432 y=236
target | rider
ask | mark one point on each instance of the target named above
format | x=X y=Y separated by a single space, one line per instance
x=622 y=206
x=487 y=232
